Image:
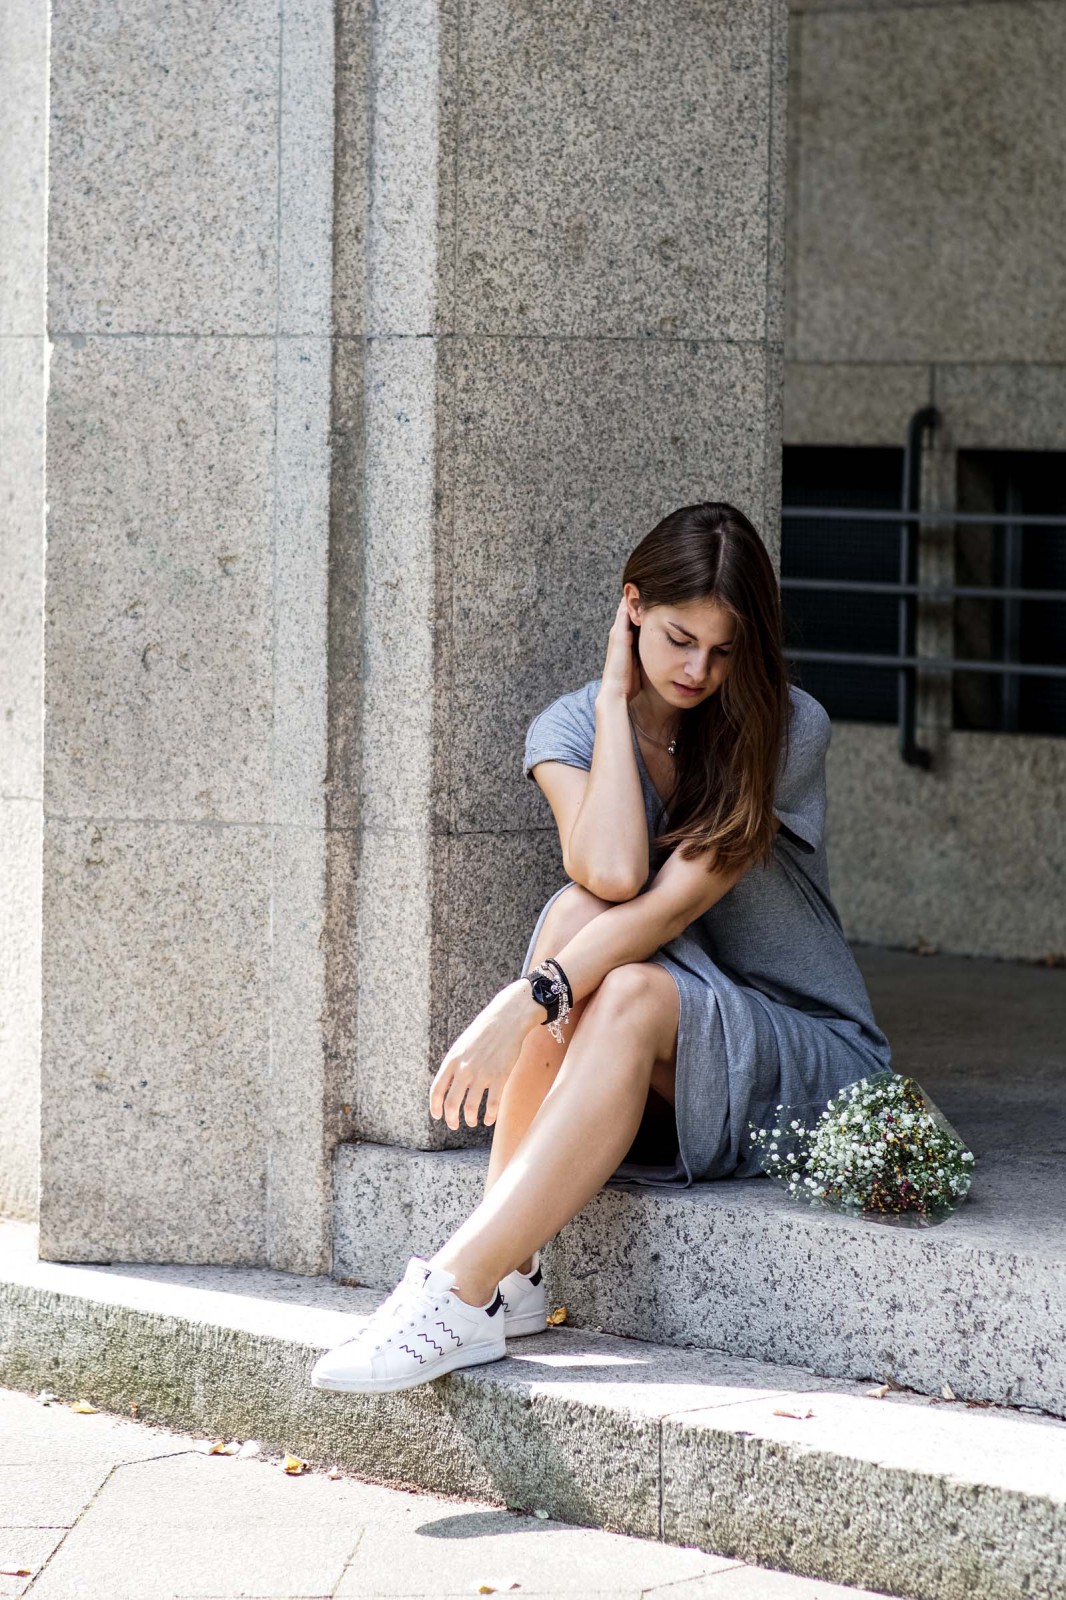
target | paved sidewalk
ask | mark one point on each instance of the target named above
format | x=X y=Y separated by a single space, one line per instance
x=99 y=1507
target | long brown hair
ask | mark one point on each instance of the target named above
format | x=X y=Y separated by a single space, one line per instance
x=728 y=747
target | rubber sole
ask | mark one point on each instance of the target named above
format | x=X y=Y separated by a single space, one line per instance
x=459 y=1358
x=525 y=1322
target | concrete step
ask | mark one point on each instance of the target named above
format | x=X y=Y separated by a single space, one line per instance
x=932 y=1499
x=978 y=1302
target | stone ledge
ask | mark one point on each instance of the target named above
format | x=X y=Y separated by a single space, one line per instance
x=686 y=1446
x=978 y=1302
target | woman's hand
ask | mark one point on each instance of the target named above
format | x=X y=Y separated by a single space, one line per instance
x=621 y=671
x=483 y=1055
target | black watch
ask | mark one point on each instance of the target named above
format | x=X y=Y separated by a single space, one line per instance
x=547 y=992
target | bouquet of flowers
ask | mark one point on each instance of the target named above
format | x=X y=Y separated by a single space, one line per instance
x=880 y=1149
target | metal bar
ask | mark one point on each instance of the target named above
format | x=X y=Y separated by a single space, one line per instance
x=943 y=592
x=930 y=663
x=907 y=681
x=1012 y=611
x=879 y=514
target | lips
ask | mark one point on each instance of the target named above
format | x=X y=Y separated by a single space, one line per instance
x=686 y=690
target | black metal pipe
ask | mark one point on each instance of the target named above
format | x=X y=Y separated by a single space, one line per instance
x=942 y=592
x=1030 y=519
x=910 y=498
x=928 y=663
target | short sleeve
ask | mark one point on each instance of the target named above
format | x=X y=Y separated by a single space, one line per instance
x=558 y=734
x=800 y=797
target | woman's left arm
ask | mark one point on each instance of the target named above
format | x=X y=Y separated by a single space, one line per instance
x=483 y=1055
x=679 y=893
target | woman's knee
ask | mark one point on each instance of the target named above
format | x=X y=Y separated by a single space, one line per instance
x=644 y=991
x=631 y=983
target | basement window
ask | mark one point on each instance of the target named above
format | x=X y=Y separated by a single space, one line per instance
x=862 y=479
x=1011 y=556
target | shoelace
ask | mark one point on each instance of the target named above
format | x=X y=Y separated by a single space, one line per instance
x=416 y=1302
x=409 y=1324
x=404 y=1295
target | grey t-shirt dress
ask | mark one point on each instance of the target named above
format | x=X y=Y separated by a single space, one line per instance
x=773 y=1007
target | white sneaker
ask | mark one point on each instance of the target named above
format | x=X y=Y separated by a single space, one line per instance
x=422 y=1330
x=525 y=1300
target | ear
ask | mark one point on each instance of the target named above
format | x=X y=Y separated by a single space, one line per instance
x=632 y=598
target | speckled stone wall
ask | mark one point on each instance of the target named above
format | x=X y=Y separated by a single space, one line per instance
x=381 y=335
x=23 y=381
x=192 y=865
x=927 y=158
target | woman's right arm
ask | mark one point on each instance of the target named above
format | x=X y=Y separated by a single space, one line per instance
x=603 y=828
x=608 y=845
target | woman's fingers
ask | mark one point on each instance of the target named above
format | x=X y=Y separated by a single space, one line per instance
x=463 y=1099
x=473 y=1103
x=441 y=1087
x=461 y=1083
x=479 y=1062
x=620 y=669
x=453 y=1096
x=447 y=1092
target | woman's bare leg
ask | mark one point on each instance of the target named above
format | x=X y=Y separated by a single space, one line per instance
x=535 y=1070
x=541 y=1056
x=582 y=1130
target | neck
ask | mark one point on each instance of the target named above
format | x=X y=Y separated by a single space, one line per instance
x=655 y=717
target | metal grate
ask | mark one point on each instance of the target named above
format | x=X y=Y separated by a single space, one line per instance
x=833 y=539
x=889 y=640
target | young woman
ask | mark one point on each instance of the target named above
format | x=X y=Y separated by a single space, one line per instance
x=697 y=971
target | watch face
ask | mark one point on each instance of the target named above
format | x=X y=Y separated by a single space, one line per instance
x=544 y=989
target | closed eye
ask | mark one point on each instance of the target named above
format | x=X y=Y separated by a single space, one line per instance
x=684 y=643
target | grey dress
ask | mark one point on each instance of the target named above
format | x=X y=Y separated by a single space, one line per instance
x=773 y=1007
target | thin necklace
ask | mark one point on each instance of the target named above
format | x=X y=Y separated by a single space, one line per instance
x=671 y=748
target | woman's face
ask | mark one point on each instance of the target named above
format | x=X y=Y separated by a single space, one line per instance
x=683 y=647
